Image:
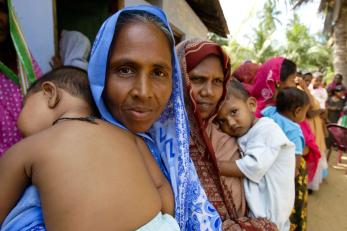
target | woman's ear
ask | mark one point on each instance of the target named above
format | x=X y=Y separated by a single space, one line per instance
x=252 y=104
x=51 y=91
x=297 y=111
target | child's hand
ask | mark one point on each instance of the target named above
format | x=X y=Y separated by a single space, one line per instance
x=229 y=168
x=223 y=167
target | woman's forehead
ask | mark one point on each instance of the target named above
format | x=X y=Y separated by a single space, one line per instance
x=142 y=41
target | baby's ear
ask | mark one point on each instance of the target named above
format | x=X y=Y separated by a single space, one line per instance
x=252 y=104
x=52 y=92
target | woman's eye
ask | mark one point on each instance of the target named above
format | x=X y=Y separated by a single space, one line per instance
x=125 y=71
x=160 y=74
x=218 y=81
x=196 y=79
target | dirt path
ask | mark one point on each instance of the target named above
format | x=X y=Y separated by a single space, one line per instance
x=327 y=208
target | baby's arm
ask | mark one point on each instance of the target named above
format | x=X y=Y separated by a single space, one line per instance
x=159 y=180
x=229 y=168
x=13 y=179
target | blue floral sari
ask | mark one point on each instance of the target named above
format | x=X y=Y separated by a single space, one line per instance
x=168 y=138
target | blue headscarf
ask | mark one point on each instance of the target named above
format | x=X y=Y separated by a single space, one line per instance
x=168 y=138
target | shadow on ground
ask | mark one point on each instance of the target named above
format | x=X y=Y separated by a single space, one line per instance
x=327 y=208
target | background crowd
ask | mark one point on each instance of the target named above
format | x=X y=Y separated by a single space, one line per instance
x=178 y=91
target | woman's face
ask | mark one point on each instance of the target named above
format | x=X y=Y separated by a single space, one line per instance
x=139 y=76
x=289 y=82
x=207 y=84
x=3 y=21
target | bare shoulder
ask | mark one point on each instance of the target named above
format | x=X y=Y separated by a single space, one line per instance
x=27 y=150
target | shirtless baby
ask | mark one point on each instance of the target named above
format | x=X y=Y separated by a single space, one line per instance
x=90 y=174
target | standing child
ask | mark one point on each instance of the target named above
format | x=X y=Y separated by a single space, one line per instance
x=70 y=156
x=292 y=105
x=268 y=162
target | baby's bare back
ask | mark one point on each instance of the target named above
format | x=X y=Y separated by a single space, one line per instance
x=93 y=177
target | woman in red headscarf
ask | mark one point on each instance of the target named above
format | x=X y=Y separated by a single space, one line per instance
x=206 y=71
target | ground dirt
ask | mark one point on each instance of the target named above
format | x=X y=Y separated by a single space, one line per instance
x=327 y=208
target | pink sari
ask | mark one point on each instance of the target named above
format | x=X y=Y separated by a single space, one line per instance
x=312 y=158
x=10 y=106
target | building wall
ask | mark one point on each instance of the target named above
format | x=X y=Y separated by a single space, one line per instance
x=180 y=15
x=36 y=20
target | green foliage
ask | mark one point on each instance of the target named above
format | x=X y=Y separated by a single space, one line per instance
x=308 y=51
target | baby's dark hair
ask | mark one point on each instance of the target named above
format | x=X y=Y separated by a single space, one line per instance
x=288 y=67
x=290 y=98
x=236 y=89
x=71 y=79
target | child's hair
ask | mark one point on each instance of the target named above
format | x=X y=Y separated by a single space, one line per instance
x=307 y=74
x=290 y=98
x=236 y=89
x=288 y=67
x=71 y=79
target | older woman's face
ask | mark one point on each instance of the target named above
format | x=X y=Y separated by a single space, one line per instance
x=207 y=84
x=3 y=21
x=139 y=76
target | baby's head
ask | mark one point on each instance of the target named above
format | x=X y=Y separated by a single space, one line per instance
x=56 y=93
x=236 y=115
x=293 y=103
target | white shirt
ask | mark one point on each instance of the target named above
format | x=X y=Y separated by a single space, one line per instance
x=269 y=166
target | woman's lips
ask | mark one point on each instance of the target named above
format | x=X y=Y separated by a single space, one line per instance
x=139 y=114
x=204 y=105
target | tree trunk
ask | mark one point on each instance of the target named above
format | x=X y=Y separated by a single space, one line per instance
x=340 y=45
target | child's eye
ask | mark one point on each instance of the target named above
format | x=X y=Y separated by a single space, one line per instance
x=220 y=121
x=233 y=112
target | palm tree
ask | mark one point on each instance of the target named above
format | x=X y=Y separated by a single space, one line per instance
x=335 y=26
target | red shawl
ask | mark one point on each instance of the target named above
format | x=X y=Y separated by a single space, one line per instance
x=208 y=144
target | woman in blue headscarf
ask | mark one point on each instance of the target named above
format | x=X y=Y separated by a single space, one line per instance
x=136 y=84
x=140 y=102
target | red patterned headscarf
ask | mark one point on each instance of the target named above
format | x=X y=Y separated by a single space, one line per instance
x=246 y=73
x=192 y=53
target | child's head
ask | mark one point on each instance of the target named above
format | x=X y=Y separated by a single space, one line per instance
x=54 y=94
x=317 y=80
x=308 y=78
x=236 y=115
x=293 y=103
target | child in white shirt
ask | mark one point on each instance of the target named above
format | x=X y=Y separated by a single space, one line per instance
x=268 y=162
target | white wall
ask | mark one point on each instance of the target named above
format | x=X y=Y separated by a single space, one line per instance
x=135 y=2
x=36 y=19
